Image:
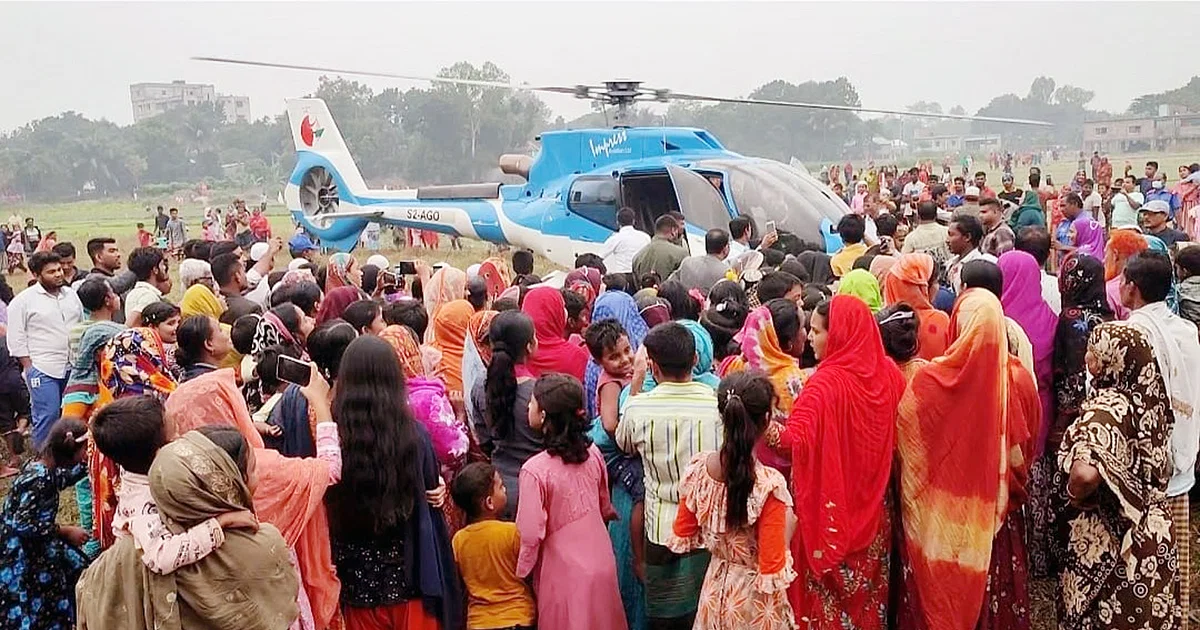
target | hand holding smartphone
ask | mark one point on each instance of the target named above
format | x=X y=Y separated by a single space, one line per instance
x=294 y=371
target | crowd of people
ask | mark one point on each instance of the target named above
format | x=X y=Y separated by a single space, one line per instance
x=902 y=433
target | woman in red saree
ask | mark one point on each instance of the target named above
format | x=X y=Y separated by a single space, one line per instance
x=841 y=434
x=545 y=306
x=911 y=281
x=963 y=554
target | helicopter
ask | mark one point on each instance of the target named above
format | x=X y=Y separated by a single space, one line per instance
x=574 y=185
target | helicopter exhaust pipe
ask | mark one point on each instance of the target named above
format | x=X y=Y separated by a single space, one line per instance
x=516 y=164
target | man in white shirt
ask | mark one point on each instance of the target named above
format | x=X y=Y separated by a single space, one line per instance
x=1125 y=203
x=1092 y=201
x=1145 y=284
x=620 y=248
x=40 y=319
x=914 y=188
x=154 y=280
x=962 y=239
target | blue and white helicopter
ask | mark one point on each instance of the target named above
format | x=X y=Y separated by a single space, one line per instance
x=573 y=186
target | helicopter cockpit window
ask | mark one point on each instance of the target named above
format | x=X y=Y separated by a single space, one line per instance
x=699 y=201
x=595 y=199
x=770 y=191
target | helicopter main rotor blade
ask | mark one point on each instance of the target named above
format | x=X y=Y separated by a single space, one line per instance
x=390 y=75
x=850 y=108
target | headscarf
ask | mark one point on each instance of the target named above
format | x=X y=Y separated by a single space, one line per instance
x=655 y=311
x=335 y=302
x=585 y=281
x=296 y=276
x=1123 y=244
x=862 y=285
x=545 y=306
x=761 y=351
x=337 y=273
x=269 y=332
x=956 y=486
x=193 y=480
x=908 y=282
x=404 y=341
x=818 y=266
x=290 y=492
x=1023 y=302
x=1089 y=236
x=841 y=433
x=496 y=274
x=445 y=285
x=1029 y=212
x=477 y=353
x=620 y=306
x=860 y=195
x=1081 y=283
x=702 y=372
x=881 y=265
x=83 y=387
x=200 y=300
x=449 y=329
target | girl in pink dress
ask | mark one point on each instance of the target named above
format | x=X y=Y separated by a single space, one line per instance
x=562 y=513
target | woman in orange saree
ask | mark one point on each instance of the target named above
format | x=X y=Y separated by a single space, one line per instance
x=911 y=280
x=841 y=435
x=963 y=555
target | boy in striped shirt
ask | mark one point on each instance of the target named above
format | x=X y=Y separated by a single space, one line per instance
x=667 y=426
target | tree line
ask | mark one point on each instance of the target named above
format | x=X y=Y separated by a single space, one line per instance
x=447 y=134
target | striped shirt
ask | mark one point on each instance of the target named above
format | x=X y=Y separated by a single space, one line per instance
x=667 y=426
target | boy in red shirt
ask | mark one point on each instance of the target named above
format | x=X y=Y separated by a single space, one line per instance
x=144 y=237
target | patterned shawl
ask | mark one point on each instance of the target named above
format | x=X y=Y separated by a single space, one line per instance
x=337 y=273
x=496 y=274
x=956 y=487
x=477 y=352
x=761 y=351
x=193 y=480
x=83 y=388
x=585 y=281
x=908 y=282
x=404 y=341
x=1081 y=282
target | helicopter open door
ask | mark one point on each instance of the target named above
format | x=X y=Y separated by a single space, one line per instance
x=701 y=205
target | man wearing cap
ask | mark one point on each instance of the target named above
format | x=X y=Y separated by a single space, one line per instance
x=1154 y=216
x=301 y=246
x=970 y=204
x=1009 y=191
x=262 y=261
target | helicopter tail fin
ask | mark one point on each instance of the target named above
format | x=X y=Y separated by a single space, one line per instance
x=314 y=130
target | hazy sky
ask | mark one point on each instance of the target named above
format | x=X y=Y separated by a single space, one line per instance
x=83 y=56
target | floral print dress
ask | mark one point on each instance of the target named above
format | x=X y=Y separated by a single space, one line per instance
x=38 y=568
x=1121 y=567
x=751 y=567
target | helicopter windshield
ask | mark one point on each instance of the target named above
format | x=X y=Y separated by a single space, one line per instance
x=770 y=191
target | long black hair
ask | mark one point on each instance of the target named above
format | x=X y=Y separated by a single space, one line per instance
x=745 y=400
x=564 y=432
x=787 y=319
x=190 y=337
x=327 y=345
x=510 y=334
x=683 y=305
x=381 y=461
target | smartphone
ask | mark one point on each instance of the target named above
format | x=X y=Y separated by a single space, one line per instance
x=406 y=268
x=293 y=371
x=770 y=227
x=388 y=278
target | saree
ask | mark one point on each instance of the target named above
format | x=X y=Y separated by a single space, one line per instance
x=545 y=306
x=337 y=272
x=496 y=274
x=477 y=352
x=290 y=491
x=1023 y=303
x=908 y=282
x=445 y=285
x=83 y=387
x=133 y=363
x=246 y=583
x=841 y=434
x=404 y=341
x=862 y=285
x=881 y=265
x=620 y=306
x=956 y=487
x=199 y=300
x=335 y=302
x=449 y=327
x=1120 y=563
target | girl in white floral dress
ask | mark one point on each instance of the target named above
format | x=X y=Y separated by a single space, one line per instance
x=738 y=509
x=1120 y=565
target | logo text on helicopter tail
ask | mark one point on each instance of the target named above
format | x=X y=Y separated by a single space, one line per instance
x=610 y=145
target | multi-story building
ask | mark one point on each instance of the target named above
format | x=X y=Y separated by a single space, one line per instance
x=1173 y=129
x=152 y=99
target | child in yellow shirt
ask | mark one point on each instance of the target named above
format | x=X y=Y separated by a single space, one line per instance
x=486 y=553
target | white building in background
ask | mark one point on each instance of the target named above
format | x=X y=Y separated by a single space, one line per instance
x=152 y=99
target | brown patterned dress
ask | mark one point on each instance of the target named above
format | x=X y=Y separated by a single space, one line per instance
x=1120 y=565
